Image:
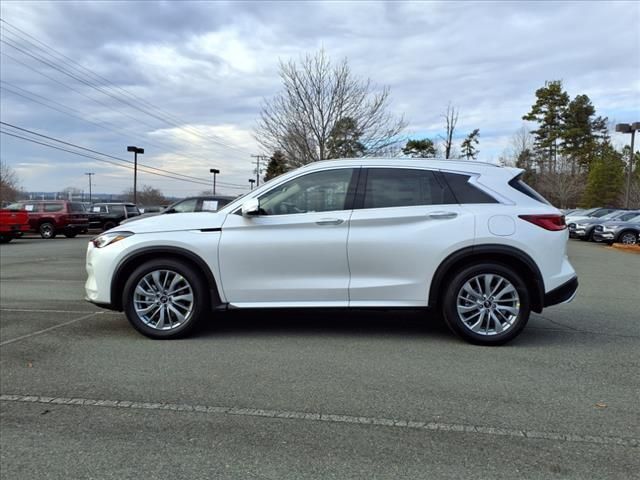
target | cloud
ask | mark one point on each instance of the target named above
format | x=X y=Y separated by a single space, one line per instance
x=206 y=66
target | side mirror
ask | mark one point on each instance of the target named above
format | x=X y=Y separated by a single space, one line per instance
x=251 y=208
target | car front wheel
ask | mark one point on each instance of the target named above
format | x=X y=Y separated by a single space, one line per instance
x=486 y=304
x=165 y=299
x=628 y=238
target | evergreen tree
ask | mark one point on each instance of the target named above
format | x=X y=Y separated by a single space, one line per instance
x=424 y=148
x=468 y=145
x=277 y=165
x=605 y=182
x=548 y=112
x=344 y=140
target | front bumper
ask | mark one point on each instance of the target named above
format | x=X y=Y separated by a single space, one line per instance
x=562 y=294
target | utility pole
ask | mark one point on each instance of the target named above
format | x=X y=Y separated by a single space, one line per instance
x=215 y=171
x=629 y=128
x=251 y=182
x=257 y=164
x=90 y=174
x=135 y=151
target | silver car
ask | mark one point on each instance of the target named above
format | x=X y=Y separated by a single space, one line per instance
x=623 y=232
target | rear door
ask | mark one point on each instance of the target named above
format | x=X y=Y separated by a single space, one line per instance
x=405 y=222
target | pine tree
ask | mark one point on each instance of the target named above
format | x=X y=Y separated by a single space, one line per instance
x=424 y=148
x=468 y=145
x=605 y=182
x=277 y=165
x=548 y=112
x=344 y=140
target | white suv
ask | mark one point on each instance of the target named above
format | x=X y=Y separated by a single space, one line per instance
x=468 y=238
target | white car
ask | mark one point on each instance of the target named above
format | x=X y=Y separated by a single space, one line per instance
x=467 y=238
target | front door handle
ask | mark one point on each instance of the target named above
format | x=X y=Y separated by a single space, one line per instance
x=442 y=215
x=330 y=221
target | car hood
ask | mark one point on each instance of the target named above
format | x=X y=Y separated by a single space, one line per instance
x=174 y=222
x=592 y=221
x=618 y=223
x=571 y=219
x=139 y=217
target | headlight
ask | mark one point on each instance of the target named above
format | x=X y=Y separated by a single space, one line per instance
x=108 y=238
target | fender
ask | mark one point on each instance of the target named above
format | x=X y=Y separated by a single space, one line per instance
x=508 y=254
x=129 y=263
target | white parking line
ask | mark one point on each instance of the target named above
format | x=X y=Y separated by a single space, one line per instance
x=35 y=310
x=44 y=330
x=331 y=418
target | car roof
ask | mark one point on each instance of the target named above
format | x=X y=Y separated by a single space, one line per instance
x=469 y=166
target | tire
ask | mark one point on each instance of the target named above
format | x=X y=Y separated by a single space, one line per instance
x=47 y=231
x=462 y=310
x=108 y=226
x=165 y=271
x=5 y=239
x=628 y=238
x=71 y=234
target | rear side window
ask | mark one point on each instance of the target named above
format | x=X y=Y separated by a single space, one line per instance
x=53 y=207
x=118 y=209
x=132 y=209
x=76 y=208
x=464 y=191
x=404 y=187
x=522 y=187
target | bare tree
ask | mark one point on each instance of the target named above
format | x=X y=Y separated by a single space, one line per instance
x=316 y=96
x=9 y=184
x=147 y=195
x=451 y=119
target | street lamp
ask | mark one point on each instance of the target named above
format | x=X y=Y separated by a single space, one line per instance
x=90 y=174
x=215 y=171
x=629 y=128
x=135 y=151
x=251 y=182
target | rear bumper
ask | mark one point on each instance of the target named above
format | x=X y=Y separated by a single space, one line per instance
x=562 y=294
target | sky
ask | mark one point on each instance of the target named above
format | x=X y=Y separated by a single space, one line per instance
x=186 y=80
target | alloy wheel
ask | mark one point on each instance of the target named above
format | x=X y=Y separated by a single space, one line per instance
x=488 y=304
x=163 y=300
x=628 y=239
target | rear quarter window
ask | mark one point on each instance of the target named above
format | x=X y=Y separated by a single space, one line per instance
x=53 y=207
x=464 y=191
x=522 y=187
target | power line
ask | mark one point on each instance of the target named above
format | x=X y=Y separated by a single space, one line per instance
x=31 y=132
x=91 y=84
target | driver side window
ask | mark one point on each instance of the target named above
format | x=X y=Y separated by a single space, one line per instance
x=315 y=192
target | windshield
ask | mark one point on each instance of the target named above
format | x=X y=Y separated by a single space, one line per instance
x=15 y=206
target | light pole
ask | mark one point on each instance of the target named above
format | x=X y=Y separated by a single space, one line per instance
x=629 y=128
x=215 y=171
x=251 y=182
x=135 y=151
x=90 y=174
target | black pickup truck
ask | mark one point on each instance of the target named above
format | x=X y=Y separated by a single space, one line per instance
x=104 y=216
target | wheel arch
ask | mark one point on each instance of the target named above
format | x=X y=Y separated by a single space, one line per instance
x=503 y=254
x=627 y=230
x=129 y=263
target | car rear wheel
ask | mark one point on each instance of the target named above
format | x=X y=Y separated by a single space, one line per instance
x=71 y=234
x=47 y=230
x=486 y=304
x=165 y=299
x=628 y=238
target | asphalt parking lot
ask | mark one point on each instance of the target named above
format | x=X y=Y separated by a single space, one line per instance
x=314 y=395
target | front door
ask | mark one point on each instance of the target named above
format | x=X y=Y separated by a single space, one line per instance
x=294 y=253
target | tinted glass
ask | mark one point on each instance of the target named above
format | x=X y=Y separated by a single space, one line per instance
x=404 y=187
x=314 y=192
x=53 y=207
x=188 y=205
x=522 y=187
x=132 y=210
x=117 y=209
x=466 y=192
x=76 y=208
x=627 y=216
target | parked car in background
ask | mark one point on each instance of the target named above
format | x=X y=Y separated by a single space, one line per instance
x=51 y=217
x=468 y=239
x=626 y=232
x=105 y=216
x=152 y=209
x=13 y=223
x=583 y=229
x=190 y=205
x=590 y=213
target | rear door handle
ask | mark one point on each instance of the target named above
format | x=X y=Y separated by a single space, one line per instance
x=330 y=221
x=442 y=215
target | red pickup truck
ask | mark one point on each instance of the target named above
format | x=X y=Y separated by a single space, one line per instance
x=12 y=224
x=50 y=217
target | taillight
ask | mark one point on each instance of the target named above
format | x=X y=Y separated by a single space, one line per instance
x=548 y=222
